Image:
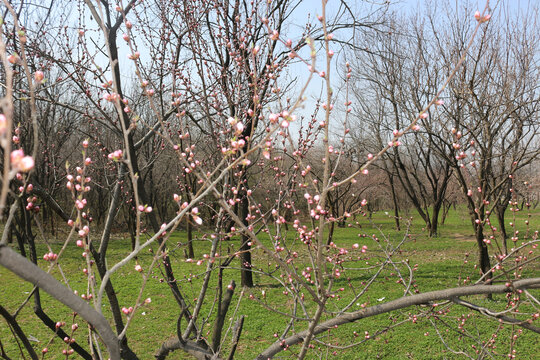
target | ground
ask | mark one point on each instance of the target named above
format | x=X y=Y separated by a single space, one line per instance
x=442 y=262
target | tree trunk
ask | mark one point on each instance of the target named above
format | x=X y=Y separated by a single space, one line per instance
x=394 y=200
x=189 y=229
x=500 y=210
x=483 y=256
x=434 y=228
x=331 y=232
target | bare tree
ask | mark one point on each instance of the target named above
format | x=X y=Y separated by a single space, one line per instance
x=220 y=81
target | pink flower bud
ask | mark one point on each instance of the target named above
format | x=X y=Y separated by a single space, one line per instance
x=273 y=118
x=39 y=76
x=13 y=58
x=274 y=35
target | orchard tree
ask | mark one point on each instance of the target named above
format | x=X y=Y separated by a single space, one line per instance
x=398 y=78
x=489 y=119
x=208 y=96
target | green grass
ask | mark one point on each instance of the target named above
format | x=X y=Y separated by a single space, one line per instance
x=441 y=264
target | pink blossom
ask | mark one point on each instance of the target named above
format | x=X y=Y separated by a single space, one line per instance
x=127 y=311
x=39 y=76
x=3 y=124
x=116 y=155
x=273 y=118
x=13 y=58
x=21 y=163
x=134 y=56
x=274 y=35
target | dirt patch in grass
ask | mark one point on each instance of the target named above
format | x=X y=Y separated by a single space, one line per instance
x=464 y=237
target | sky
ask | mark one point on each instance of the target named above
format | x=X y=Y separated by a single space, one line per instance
x=309 y=9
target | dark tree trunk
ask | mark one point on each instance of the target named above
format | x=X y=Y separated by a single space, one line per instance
x=434 y=228
x=500 y=210
x=394 y=200
x=483 y=256
x=189 y=230
x=331 y=232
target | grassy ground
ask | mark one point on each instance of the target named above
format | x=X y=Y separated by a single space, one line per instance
x=441 y=263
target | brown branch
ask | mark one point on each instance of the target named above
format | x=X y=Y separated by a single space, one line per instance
x=220 y=319
x=26 y=270
x=189 y=346
x=12 y=322
x=484 y=311
x=397 y=304
x=237 y=332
